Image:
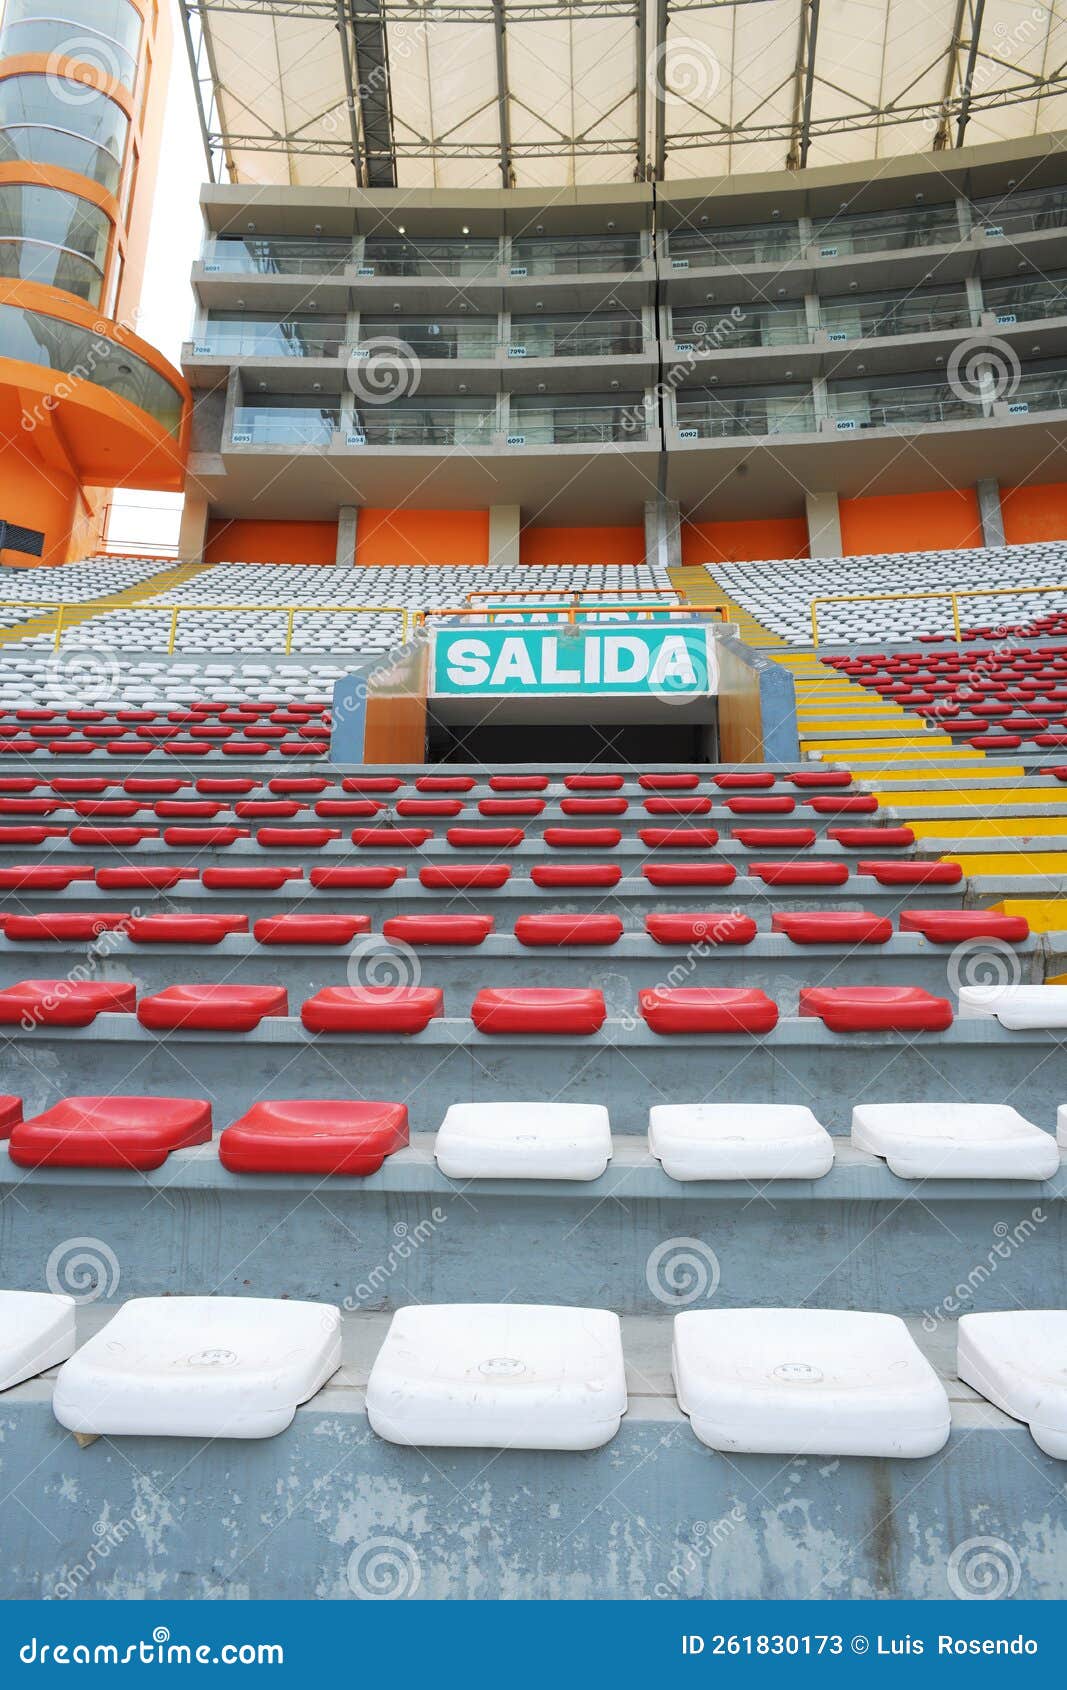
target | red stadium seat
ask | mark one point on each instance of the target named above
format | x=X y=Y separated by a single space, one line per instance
x=187 y=809
x=870 y=838
x=184 y=929
x=821 y=777
x=911 y=874
x=582 y=838
x=563 y=929
x=296 y=838
x=592 y=783
x=833 y=927
x=737 y=781
x=689 y=874
x=65 y=1003
x=774 y=838
x=485 y=838
x=29 y=877
x=348 y=809
x=298 y=929
x=801 y=874
x=518 y=783
x=249 y=879
x=214 y=1009
x=34 y=835
x=390 y=838
x=325 y=1136
x=777 y=806
x=682 y=806
x=370 y=785
x=575 y=874
x=669 y=782
x=353 y=877
x=445 y=783
x=678 y=838
x=594 y=806
x=510 y=806
x=128 y=879
x=267 y=809
x=111 y=1132
x=213 y=838
x=535 y=1009
x=438 y=929
x=10 y=1114
x=230 y=786
x=727 y=928
x=860 y=1009
x=33 y=928
x=372 y=1009
x=708 y=1009
x=951 y=927
x=290 y=786
x=465 y=877
x=844 y=804
x=414 y=807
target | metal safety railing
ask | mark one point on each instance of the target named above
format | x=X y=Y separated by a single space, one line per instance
x=571 y=611
x=952 y=594
x=97 y=607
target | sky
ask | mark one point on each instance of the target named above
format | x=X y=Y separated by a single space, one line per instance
x=167 y=301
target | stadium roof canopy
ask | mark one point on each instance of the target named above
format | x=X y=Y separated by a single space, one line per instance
x=461 y=94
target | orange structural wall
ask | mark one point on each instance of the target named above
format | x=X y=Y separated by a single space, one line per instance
x=245 y=541
x=911 y=522
x=743 y=542
x=549 y=546
x=421 y=537
x=1034 y=513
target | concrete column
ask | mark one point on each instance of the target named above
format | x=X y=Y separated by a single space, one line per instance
x=989 y=509
x=347 y=526
x=192 y=536
x=505 y=524
x=663 y=533
x=824 y=524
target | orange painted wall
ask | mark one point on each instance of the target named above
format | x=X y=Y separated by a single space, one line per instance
x=548 y=546
x=38 y=495
x=241 y=541
x=421 y=537
x=743 y=542
x=910 y=522
x=1034 y=513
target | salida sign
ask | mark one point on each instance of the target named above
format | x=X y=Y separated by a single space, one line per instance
x=676 y=662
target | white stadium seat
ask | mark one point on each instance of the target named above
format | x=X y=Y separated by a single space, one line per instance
x=199 y=1367
x=36 y=1332
x=499 y=1376
x=739 y=1141
x=1018 y=1362
x=807 y=1382
x=524 y=1141
x=1016 y=1007
x=955 y=1140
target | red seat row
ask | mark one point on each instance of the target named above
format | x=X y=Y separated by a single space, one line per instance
x=512 y=1010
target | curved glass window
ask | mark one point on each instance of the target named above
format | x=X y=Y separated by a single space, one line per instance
x=102 y=33
x=52 y=237
x=86 y=356
x=52 y=120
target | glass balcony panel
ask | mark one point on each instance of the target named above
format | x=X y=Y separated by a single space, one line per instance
x=285 y=425
x=903 y=406
x=544 y=423
x=278 y=256
x=857 y=318
x=582 y=255
x=888 y=231
x=109 y=31
x=433 y=338
x=1027 y=301
x=760 y=243
x=576 y=337
x=391 y=256
x=726 y=415
x=1019 y=214
x=425 y=425
x=251 y=337
x=727 y=329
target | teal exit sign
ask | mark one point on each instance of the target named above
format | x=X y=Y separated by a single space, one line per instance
x=651 y=660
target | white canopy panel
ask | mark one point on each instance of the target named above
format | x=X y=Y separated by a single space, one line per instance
x=464 y=94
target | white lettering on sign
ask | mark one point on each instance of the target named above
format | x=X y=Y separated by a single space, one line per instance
x=674 y=663
x=552 y=673
x=468 y=663
x=619 y=647
x=514 y=664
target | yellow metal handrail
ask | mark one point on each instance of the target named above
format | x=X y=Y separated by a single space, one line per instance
x=953 y=594
x=97 y=606
x=571 y=610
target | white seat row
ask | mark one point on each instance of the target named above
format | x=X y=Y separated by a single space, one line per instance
x=779 y=594
x=525 y=1376
x=746 y=1141
x=84 y=676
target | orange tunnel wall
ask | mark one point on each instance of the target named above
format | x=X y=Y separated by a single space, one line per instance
x=38 y=495
x=547 y=546
x=1034 y=513
x=743 y=542
x=243 y=541
x=910 y=522
x=421 y=537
